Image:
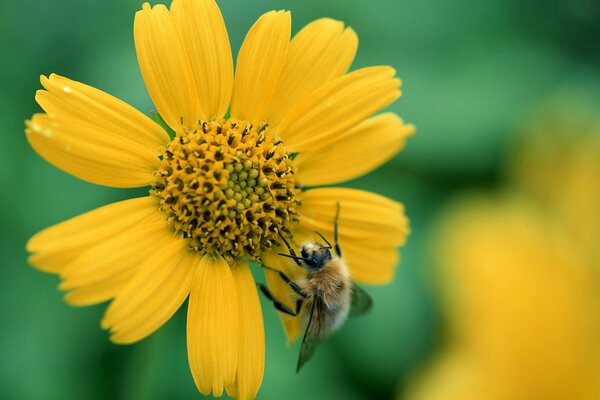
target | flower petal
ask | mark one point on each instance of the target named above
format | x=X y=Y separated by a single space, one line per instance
x=338 y=106
x=370 y=229
x=205 y=38
x=55 y=247
x=251 y=350
x=166 y=67
x=97 y=292
x=364 y=216
x=213 y=326
x=369 y=263
x=354 y=153
x=323 y=50
x=96 y=257
x=112 y=262
x=259 y=65
x=85 y=151
x=153 y=294
x=117 y=119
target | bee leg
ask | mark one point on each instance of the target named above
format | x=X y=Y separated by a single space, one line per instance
x=293 y=285
x=336 y=220
x=299 y=302
x=279 y=305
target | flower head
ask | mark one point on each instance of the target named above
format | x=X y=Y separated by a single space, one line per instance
x=230 y=182
x=228 y=187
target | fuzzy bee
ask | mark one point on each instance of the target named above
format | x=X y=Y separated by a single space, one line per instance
x=325 y=294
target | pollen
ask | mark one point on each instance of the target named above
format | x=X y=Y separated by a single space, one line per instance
x=228 y=187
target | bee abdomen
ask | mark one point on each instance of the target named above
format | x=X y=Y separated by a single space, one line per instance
x=336 y=317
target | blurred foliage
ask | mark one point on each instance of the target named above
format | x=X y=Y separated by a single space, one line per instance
x=472 y=73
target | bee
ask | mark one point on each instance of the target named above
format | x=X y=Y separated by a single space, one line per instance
x=325 y=294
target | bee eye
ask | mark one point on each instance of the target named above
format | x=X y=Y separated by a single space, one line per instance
x=303 y=253
x=312 y=263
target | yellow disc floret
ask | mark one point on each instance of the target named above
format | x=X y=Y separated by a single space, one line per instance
x=228 y=187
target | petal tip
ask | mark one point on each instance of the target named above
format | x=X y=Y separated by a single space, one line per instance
x=121 y=339
x=38 y=92
x=32 y=244
x=32 y=259
x=352 y=33
x=105 y=324
x=69 y=298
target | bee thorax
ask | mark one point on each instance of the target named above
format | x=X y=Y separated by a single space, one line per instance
x=333 y=285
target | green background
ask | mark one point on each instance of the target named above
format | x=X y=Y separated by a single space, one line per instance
x=472 y=73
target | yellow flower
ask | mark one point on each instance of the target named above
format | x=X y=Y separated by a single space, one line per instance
x=519 y=279
x=231 y=181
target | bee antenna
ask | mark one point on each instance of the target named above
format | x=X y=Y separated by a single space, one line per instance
x=324 y=239
x=336 y=220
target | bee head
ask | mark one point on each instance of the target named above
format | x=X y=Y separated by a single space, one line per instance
x=315 y=255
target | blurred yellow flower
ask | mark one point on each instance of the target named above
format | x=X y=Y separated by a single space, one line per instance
x=231 y=181
x=557 y=165
x=519 y=280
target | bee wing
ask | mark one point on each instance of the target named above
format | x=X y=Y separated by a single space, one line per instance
x=360 y=301
x=313 y=333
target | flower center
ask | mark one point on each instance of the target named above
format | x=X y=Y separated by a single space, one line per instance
x=228 y=187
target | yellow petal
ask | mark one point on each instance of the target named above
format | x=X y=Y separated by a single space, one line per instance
x=166 y=67
x=115 y=118
x=204 y=36
x=87 y=152
x=369 y=263
x=338 y=106
x=251 y=350
x=259 y=65
x=153 y=294
x=97 y=292
x=115 y=255
x=323 y=50
x=103 y=269
x=354 y=153
x=213 y=326
x=364 y=216
x=55 y=247
x=370 y=229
